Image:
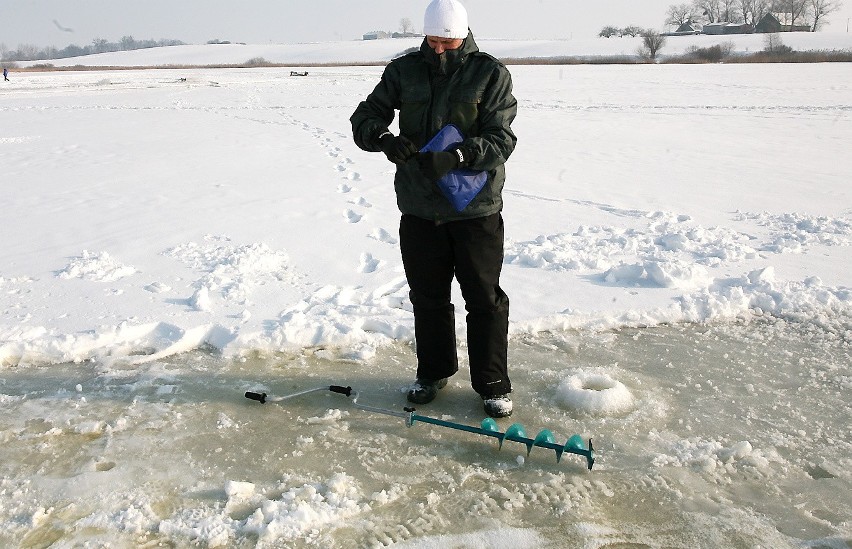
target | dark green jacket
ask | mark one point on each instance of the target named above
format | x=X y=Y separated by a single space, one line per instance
x=464 y=87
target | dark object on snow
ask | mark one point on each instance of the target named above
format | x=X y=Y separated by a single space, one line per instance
x=297 y=73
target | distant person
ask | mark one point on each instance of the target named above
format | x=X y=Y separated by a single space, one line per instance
x=5 y=74
x=449 y=81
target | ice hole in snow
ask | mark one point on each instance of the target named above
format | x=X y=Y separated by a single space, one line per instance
x=597 y=394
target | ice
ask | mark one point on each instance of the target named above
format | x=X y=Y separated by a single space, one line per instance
x=736 y=432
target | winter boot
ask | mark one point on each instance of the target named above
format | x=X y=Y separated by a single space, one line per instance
x=425 y=390
x=498 y=405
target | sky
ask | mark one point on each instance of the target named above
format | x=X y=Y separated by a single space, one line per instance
x=62 y=22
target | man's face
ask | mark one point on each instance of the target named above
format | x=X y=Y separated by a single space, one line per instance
x=440 y=45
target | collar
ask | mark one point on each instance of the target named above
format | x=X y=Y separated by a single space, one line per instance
x=448 y=62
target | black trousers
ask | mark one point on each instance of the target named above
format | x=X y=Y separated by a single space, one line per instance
x=472 y=251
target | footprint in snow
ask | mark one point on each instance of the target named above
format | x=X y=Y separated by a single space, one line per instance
x=343 y=188
x=382 y=236
x=363 y=203
x=369 y=264
x=352 y=216
x=353 y=176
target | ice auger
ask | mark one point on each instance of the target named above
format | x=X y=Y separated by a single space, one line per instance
x=515 y=433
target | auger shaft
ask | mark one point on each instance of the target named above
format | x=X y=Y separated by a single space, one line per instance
x=489 y=428
x=516 y=434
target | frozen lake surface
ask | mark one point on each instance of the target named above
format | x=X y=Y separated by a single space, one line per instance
x=678 y=251
x=734 y=435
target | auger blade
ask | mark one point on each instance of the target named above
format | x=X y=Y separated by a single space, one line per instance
x=517 y=433
x=544 y=436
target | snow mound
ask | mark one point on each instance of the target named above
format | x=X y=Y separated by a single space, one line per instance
x=597 y=394
x=97 y=267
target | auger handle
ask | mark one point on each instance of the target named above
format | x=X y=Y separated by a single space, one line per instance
x=260 y=397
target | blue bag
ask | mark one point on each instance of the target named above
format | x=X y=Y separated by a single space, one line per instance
x=458 y=186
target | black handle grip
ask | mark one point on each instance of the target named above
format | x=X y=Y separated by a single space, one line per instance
x=260 y=397
x=341 y=390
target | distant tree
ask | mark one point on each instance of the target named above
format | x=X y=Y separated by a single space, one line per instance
x=710 y=9
x=679 y=14
x=609 y=31
x=752 y=11
x=71 y=50
x=822 y=8
x=26 y=52
x=772 y=44
x=714 y=53
x=406 y=26
x=632 y=30
x=49 y=52
x=127 y=43
x=794 y=10
x=652 y=43
x=99 y=45
x=728 y=11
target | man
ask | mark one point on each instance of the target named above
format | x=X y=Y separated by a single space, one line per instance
x=449 y=81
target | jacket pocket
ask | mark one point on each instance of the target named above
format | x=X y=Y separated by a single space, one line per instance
x=464 y=111
x=412 y=112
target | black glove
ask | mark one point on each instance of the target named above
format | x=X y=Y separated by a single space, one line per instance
x=397 y=149
x=435 y=165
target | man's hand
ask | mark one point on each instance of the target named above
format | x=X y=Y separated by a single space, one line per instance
x=435 y=165
x=397 y=149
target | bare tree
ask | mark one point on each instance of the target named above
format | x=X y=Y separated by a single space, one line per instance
x=822 y=8
x=728 y=12
x=405 y=25
x=711 y=9
x=754 y=10
x=632 y=30
x=27 y=52
x=793 y=10
x=652 y=43
x=679 y=14
x=773 y=45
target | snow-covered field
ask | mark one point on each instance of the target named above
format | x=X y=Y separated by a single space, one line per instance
x=678 y=252
x=371 y=51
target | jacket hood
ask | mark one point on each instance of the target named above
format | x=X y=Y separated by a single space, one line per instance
x=447 y=62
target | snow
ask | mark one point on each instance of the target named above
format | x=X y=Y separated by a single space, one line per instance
x=677 y=256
